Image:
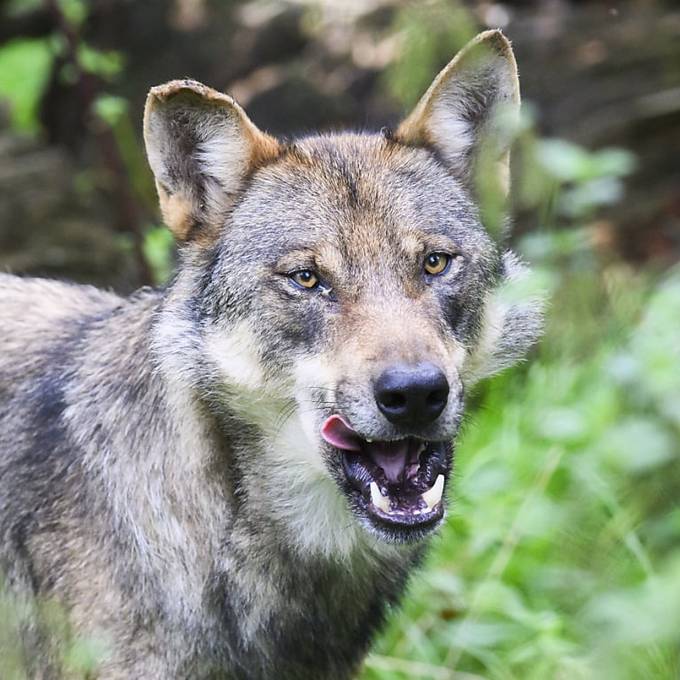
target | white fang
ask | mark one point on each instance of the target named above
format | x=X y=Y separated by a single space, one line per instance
x=434 y=495
x=380 y=501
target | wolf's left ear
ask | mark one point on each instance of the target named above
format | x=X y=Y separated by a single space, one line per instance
x=201 y=147
x=458 y=115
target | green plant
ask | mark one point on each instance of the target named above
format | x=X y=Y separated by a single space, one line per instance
x=24 y=70
x=560 y=557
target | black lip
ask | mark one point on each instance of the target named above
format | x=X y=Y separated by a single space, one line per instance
x=407 y=519
x=404 y=527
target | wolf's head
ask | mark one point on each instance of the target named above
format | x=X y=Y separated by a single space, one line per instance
x=344 y=282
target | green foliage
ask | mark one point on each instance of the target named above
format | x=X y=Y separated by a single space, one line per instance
x=159 y=247
x=105 y=64
x=24 y=69
x=592 y=179
x=46 y=624
x=75 y=11
x=431 y=33
x=114 y=112
x=560 y=557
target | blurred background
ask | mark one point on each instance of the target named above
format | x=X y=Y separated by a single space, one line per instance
x=561 y=557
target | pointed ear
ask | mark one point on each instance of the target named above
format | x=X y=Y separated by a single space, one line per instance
x=201 y=147
x=459 y=114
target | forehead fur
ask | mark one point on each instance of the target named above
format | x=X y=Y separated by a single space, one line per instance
x=356 y=192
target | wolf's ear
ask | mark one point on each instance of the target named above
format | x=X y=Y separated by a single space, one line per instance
x=459 y=114
x=201 y=146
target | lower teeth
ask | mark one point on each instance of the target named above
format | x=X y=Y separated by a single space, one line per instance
x=431 y=497
x=381 y=502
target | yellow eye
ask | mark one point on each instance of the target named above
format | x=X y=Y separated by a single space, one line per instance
x=437 y=263
x=305 y=278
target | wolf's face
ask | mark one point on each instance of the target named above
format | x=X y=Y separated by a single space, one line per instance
x=360 y=266
x=347 y=279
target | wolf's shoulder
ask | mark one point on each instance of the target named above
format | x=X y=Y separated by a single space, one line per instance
x=34 y=312
x=25 y=301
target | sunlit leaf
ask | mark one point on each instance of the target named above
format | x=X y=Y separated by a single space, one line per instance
x=24 y=69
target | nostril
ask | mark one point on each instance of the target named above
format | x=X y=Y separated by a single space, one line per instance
x=437 y=398
x=392 y=400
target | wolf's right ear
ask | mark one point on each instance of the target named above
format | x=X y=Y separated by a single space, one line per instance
x=201 y=146
x=458 y=116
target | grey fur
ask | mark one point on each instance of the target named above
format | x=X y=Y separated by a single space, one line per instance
x=161 y=472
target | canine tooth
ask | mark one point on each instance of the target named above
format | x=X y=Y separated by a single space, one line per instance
x=434 y=495
x=378 y=499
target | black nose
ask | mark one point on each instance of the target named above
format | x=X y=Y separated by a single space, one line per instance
x=412 y=395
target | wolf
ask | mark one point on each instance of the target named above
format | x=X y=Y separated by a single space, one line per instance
x=235 y=476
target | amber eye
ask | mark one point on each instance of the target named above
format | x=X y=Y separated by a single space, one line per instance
x=305 y=278
x=437 y=263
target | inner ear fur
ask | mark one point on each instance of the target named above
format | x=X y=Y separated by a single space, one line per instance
x=458 y=115
x=201 y=146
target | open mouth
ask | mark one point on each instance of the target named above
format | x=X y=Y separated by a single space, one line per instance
x=399 y=483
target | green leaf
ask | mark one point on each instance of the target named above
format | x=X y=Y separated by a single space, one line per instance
x=158 y=248
x=24 y=70
x=107 y=64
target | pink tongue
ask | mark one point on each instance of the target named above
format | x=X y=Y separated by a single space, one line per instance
x=337 y=432
x=390 y=456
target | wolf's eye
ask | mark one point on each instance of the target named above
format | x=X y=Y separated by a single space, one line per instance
x=437 y=263
x=305 y=278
